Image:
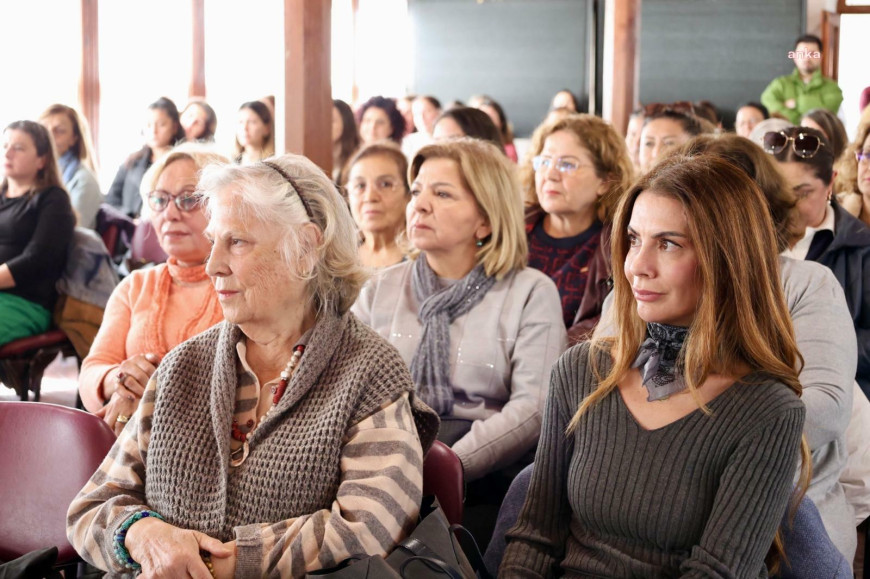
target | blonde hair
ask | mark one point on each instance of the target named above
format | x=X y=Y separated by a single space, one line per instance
x=331 y=267
x=491 y=178
x=202 y=154
x=606 y=148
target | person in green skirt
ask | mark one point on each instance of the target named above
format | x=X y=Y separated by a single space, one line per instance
x=36 y=228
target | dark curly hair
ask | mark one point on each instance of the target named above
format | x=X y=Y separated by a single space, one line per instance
x=397 y=121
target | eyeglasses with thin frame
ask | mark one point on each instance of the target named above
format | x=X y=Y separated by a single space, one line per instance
x=186 y=201
x=562 y=165
x=862 y=156
x=381 y=185
x=804 y=145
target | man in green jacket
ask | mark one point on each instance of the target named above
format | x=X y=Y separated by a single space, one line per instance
x=805 y=89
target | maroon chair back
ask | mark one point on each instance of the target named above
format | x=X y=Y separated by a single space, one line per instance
x=23 y=361
x=47 y=454
x=443 y=477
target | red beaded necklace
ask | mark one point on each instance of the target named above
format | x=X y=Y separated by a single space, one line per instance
x=238 y=456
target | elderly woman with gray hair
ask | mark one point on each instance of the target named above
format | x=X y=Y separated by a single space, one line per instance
x=282 y=440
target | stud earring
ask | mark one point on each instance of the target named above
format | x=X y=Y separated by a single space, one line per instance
x=479 y=243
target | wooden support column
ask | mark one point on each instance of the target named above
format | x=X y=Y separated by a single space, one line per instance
x=307 y=80
x=197 y=71
x=89 y=81
x=621 y=60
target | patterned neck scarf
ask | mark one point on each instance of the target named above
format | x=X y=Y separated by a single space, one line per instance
x=657 y=360
x=430 y=366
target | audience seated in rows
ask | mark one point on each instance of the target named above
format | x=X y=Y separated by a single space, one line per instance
x=36 y=229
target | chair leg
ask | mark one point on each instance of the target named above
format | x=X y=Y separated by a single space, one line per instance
x=15 y=373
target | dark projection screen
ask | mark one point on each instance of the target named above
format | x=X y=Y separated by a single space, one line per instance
x=519 y=52
x=723 y=51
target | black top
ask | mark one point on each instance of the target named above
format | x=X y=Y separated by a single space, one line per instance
x=35 y=233
x=847 y=253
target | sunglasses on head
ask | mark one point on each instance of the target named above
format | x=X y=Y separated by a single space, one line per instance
x=804 y=145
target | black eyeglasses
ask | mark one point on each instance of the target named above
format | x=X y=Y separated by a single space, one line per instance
x=187 y=201
x=804 y=145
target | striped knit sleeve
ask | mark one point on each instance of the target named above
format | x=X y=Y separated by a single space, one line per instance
x=114 y=493
x=752 y=497
x=377 y=504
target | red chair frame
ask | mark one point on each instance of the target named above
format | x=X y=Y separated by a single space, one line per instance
x=444 y=477
x=48 y=454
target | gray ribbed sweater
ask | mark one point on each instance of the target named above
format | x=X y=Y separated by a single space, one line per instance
x=701 y=497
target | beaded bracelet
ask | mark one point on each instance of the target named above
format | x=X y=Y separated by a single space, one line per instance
x=121 y=552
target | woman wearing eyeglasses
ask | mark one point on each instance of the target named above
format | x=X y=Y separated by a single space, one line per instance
x=153 y=310
x=378 y=194
x=853 y=179
x=832 y=237
x=581 y=166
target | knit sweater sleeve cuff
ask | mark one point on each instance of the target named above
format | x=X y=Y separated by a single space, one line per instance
x=249 y=551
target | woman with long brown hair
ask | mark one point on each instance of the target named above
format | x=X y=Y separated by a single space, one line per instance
x=36 y=227
x=683 y=431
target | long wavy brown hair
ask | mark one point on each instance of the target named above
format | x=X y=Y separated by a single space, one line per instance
x=742 y=319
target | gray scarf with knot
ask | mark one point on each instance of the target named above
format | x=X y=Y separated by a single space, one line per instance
x=430 y=367
x=658 y=359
